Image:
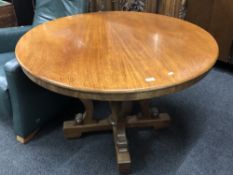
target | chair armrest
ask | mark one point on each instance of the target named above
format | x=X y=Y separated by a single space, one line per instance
x=10 y=36
x=32 y=105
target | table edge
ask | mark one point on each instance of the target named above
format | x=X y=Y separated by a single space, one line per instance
x=121 y=95
x=114 y=96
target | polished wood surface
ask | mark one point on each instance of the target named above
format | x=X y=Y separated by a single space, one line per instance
x=116 y=55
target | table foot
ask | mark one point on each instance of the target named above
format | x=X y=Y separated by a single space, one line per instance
x=72 y=130
x=118 y=121
x=163 y=120
x=84 y=122
x=121 y=147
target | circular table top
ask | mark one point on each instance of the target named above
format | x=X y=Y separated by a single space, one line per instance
x=116 y=55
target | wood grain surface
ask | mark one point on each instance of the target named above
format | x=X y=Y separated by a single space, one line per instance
x=116 y=55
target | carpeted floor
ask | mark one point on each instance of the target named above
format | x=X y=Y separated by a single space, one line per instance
x=200 y=141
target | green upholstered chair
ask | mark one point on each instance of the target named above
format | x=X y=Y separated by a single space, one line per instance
x=28 y=104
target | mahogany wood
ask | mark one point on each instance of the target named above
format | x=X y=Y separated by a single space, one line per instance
x=118 y=121
x=88 y=115
x=119 y=132
x=116 y=55
x=72 y=130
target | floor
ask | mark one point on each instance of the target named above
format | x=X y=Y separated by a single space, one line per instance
x=199 y=142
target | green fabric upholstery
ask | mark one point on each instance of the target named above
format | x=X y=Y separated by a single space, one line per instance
x=32 y=105
x=10 y=36
x=5 y=104
x=29 y=104
x=47 y=10
x=8 y=40
x=4 y=58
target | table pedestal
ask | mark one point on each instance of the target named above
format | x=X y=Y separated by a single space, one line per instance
x=118 y=121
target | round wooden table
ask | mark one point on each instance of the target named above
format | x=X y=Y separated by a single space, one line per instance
x=118 y=57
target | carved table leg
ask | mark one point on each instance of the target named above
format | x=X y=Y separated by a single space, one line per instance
x=84 y=122
x=150 y=115
x=119 y=112
x=118 y=121
x=146 y=111
x=88 y=114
